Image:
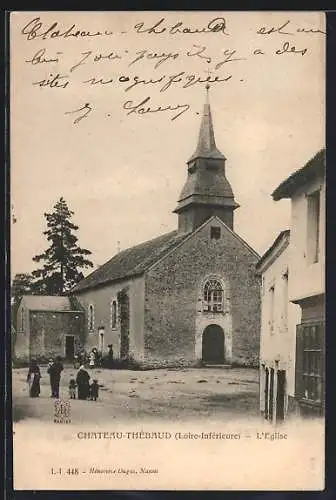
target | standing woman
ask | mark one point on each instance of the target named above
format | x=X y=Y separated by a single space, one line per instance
x=83 y=383
x=110 y=356
x=33 y=379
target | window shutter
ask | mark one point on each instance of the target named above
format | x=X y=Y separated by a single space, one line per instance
x=266 y=392
x=299 y=385
x=321 y=342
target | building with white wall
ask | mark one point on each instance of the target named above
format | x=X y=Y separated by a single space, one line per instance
x=293 y=297
x=306 y=189
x=279 y=318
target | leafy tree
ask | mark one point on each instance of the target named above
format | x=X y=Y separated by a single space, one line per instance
x=64 y=259
x=22 y=284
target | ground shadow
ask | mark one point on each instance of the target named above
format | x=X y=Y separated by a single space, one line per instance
x=238 y=402
x=21 y=410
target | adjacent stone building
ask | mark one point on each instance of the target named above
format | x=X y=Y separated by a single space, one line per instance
x=47 y=326
x=187 y=296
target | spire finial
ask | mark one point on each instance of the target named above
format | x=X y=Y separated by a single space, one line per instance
x=206 y=146
x=207 y=87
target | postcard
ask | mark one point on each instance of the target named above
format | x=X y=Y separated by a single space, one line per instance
x=167 y=194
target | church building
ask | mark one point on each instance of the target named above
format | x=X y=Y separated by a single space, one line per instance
x=188 y=297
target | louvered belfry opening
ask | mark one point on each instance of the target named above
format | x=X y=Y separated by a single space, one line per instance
x=207 y=192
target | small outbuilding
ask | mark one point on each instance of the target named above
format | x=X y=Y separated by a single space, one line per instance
x=47 y=326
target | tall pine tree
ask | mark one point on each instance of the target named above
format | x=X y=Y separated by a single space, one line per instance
x=64 y=259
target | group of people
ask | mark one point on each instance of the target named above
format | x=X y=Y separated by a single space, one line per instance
x=94 y=359
x=86 y=387
x=55 y=367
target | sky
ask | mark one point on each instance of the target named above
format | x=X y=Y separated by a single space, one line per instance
x=122 y=173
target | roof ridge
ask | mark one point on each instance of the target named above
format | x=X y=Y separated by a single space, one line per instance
x=47 y=302
x=310 y=168
x=129 y=262
x=124 y=251
x=41 y=295
x=268 y=251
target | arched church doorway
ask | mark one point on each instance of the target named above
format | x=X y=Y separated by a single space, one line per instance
x=213 y=344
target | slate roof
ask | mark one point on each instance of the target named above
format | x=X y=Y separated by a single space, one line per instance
x=206 y=186
x=131 y=262
x=284 y=235
x=309 y=172
x=206 y=146
x=47 y=303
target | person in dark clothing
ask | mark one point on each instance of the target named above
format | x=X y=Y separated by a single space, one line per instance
x=110 y=356
x=83 y=383
x=33 y=379
x=54 y=371
x=94 y=390
x=99 y=359
x=72 y=388
x=77 y=361
x=82 y=358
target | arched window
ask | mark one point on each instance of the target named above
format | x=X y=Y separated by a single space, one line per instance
x=113 y=314
x=91 y=318
x=213 y=296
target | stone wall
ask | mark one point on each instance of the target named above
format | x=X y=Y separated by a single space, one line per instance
x=172 y=293
x=48 y=331
x=102 y=299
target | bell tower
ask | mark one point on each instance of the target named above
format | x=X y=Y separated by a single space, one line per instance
x=207 y=191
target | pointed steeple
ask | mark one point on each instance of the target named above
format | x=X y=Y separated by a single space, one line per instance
x=207 y=191
x=206 y=146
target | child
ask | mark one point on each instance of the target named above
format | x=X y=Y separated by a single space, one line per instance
x=92 y=359
x=72 y=388
x=94 y=390
x=76 y=361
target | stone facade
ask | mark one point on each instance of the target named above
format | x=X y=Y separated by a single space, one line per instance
x=174 y=316
x=49 y=330
x=167 y=317
x=186 y=297
x=102 y=299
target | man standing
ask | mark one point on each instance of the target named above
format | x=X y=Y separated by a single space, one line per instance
x=54 y=371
